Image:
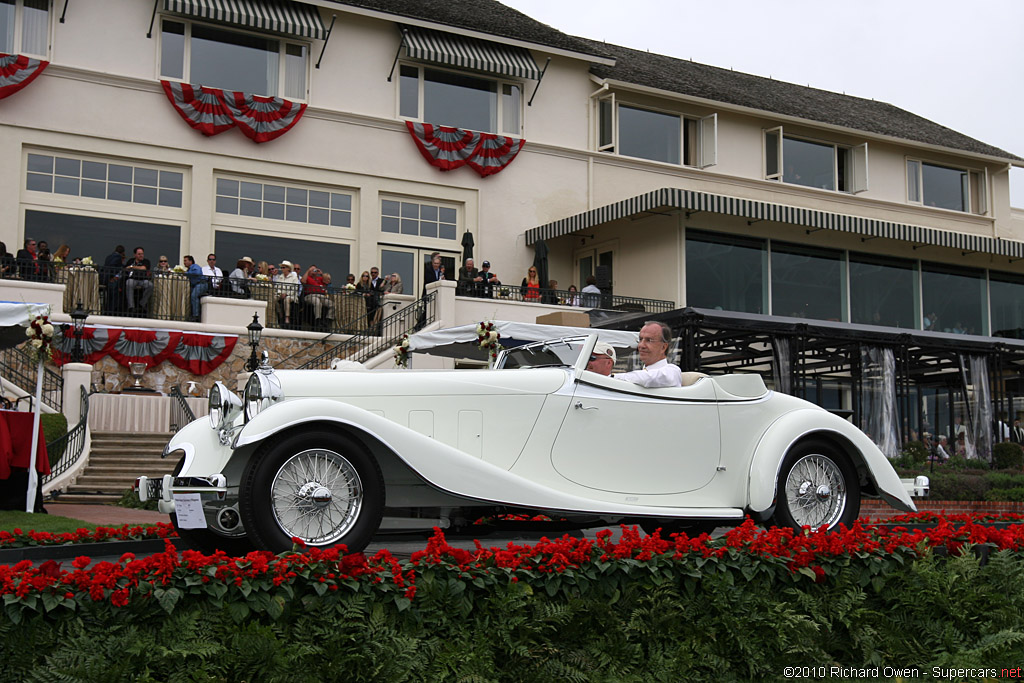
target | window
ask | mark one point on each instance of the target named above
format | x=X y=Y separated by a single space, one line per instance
x=726 y=272
x=232 y=60
x=284 y=203
x=460 y=100
x=102 y=180
x=882 y=291
x=1006 y=292
x=946 y=187
x=808 y=282
x=418 y=219
x=96 y=236
x=669 y=137
x=953 y=299
x=812 y=163
x=332 y=258
x=25 y=27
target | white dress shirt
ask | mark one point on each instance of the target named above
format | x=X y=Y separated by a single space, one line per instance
x=215 y=274
x=660 y=374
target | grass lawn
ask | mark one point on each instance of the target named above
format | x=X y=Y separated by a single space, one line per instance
x=11 y=519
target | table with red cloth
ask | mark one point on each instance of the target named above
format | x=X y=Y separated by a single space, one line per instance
x=16 y=443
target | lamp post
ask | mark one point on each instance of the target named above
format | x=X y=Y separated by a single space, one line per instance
x=78 y=317
x=255 y=331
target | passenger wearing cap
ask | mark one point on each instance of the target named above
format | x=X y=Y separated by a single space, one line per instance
x=488 y=280
x=240 y=276
x=602 y=359
x=286 y=286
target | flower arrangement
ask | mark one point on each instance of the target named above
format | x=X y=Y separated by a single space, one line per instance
x=487 y=338
x=260 y=277
x=179 y=269
x=402 y=352
x=40 y=336
x=349 y=287
x=87 y=261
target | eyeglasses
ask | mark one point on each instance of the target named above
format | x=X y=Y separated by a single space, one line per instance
x=652 y=340
x=163 y=260
x=210 y=258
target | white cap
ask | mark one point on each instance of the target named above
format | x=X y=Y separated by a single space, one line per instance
x=604 y=349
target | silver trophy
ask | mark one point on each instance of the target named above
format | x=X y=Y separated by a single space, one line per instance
x=137 y=370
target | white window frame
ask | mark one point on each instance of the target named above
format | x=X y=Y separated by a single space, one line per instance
x=977 y=202
x=857 y=172
x=282 y=48
x=19 y=30
x=499 y=115
x=418 y=240
x=706 y=143
x=280 y=223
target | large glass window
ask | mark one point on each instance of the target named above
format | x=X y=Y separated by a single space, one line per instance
x=725 y=272
x=953 y=299
x=419 y=219
x=97 y=237
x=330 y=257
x=456 y=99
x=882 y=291
x=643 y=133
x=1006 y=292
x=25 y=27
x=232 y=60
x=284 y=202
x=102 y=180
x=946 y=187
x=811 y=164
x=807 y=282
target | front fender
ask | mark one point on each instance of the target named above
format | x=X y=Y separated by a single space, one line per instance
x=782 y=434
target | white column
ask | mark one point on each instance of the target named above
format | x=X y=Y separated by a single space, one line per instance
x=76 y=375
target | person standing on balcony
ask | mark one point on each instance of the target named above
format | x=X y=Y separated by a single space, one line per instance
x=163 y=264
x=240 y=277
x=111 y=277
x=28 y=260
x=592 y=294
x=137 y=274
x=213 y=274
x=393 y=284
x=488 y=281
x=530 y=289
x=314 y=284
x=469 y=276
x=198 y=285
x=435 y=273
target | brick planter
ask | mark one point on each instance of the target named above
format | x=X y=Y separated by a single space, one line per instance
x=879 y=510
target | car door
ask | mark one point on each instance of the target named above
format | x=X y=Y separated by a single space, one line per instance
x=623 y=438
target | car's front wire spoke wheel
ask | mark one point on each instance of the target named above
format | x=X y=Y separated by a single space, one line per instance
x=817 y=487
x=816 y=490
x=316 y=496
x=322 y=487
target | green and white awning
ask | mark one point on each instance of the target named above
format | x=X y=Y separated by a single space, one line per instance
x=463 y=52
x=687 y=200
x=279 y=16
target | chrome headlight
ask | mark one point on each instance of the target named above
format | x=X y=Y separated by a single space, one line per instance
x=262 y=389
x=224 y=406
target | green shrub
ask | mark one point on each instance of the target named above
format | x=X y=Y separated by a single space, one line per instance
x=914 y=454
x=54 y=426
x=1007 y=455
x=1015 y=494
x=130 y=499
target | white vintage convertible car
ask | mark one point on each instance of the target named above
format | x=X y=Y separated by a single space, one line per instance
x=336 y=456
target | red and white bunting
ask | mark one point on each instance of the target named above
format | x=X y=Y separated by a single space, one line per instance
x=449 y=148
x=262 y=119
x=17 y=71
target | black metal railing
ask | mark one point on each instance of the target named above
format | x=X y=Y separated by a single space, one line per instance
x=562 y=297
x=65 y=451
x=19 y=367
x=379 y=337
x=181 y=414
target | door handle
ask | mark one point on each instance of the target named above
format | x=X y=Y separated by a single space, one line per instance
x=579 y=406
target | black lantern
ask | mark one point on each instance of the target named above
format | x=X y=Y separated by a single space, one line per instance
x=78 y=317
x=255 y=332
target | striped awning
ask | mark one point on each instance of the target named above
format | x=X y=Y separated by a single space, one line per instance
x=279 y=16
x=687 y=200
x=469 y=53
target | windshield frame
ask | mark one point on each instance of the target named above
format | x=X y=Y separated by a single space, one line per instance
x=586 y=343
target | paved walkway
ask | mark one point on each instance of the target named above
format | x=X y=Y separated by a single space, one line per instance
x=106 y=515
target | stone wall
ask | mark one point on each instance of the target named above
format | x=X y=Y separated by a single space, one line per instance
x=872 y=508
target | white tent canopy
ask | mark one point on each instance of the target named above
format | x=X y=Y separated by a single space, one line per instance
x=461 y=341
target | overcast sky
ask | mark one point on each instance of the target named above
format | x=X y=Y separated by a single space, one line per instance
x=960 y=64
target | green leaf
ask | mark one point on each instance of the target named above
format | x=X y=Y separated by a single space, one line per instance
x=275 y=606
x=168 y=599
x=239 y=611
x=402 y=603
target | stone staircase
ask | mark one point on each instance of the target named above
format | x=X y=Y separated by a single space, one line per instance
x=115 y=460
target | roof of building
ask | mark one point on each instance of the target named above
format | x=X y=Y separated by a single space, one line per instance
x=484 y=16
x=779 y=97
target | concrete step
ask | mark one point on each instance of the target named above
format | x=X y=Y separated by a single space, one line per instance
x=89 y=498
x=125 y=462
x=79 y=489
x=147 y=469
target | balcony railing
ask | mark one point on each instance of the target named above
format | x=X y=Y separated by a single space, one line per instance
x=561 y=297
x=65 y=451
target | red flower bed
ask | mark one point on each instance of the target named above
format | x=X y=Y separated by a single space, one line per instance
x=20 y=539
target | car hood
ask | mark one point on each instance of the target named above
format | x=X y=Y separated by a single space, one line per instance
x=336 y=383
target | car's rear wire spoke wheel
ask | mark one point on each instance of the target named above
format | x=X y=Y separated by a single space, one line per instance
x=817 y=486
x=316 y=496
x=816 y=491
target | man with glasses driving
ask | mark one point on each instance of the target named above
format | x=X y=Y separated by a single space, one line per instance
x=655 y=338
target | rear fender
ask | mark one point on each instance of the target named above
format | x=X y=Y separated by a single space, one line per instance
x=871 y=464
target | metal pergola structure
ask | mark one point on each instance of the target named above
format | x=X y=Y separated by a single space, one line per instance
x=720 y=342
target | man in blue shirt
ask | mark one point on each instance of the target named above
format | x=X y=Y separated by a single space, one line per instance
x=200 y=286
